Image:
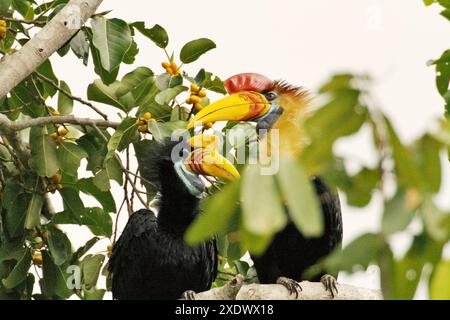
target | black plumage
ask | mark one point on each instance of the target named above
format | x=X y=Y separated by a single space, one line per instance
x=151 y=260
x=291 y=254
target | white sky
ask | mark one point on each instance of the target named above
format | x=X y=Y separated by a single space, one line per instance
x=303 y=42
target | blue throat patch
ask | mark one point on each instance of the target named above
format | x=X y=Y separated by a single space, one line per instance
x=268 y=120
x=187 y=178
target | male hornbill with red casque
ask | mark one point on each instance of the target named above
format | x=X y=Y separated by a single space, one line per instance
x=151 y=260
x=278 y=105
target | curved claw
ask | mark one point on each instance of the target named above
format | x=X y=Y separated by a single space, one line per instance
x=291 y=285
x=188 y=295
x=330 y=284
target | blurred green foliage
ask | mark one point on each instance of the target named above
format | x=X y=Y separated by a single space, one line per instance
x=34 y=249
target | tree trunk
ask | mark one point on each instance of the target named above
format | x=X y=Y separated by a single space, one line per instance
x=16 y=67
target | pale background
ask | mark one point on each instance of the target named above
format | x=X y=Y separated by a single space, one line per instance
x=303 y=42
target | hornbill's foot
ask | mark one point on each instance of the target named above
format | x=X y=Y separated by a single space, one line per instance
x=330 y=284
x=188 y=295
x=291 y=285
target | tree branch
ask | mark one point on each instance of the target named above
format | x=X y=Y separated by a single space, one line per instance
x=69 y=95
x=8 y=126
x=35 y=22
x=311 y=291
x=16 y=67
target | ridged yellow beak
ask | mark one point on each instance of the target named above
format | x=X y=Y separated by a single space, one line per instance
x=242 y=106
x=207 y=161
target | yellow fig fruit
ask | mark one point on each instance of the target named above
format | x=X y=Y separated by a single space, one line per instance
x=194 y=87
x=63 y=132
x=53 y=135
x=195 y=99
x=147 y=116
x=55 y=113
x=57 y=178
x=208 y=125
x=165 y=65
x=202 y=93
x=37 y=258
x=198 y=106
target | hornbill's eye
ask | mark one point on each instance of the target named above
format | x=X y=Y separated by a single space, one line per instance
x=270 y=96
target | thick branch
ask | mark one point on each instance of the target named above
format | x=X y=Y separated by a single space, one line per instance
x=7 y=125
x=16 y=67
x=311 y=291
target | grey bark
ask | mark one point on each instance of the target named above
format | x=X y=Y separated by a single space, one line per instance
x=16 y=67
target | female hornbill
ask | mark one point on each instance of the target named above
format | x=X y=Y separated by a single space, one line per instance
x=151 y=260
x=278 y=105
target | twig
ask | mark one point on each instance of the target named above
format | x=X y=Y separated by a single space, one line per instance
x=8 y=125
x=117 y=222
x=124 y=170
x=69 y=95
x=24 y=21
x=125 y=189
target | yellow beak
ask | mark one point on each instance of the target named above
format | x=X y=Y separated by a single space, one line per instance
x=207 y=161
x=242 y=106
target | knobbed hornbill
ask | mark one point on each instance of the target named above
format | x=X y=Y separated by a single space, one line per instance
x=151 y=260
x=279 y=105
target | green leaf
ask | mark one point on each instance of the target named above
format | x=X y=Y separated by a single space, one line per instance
x=53 y=282
x=105 y=198
x=93 y=294
x=169 y=94
x=200 y=77
x=157 y=33
x=356 y=255
x=90 y=266
x=80 y=46
x=192 y=50
x=405 y=167
x=44 y=159
x=112 y=171
x=69 y=156
x=439 y=288
x=125 y=134
x=214 y=83
x=81 y=251
x=59 y=245
x=98 y=221
x=304 y=207
x=72 y=201
x=429 y=162
x=112 y=38
x=397 y=215
x=436 y=221
x=65 y=104
x=100 y=92
x=406 y=272
x=106 y=76
x=263 y=212
x=16 y=215
x=130 y=55
x=96 y=148
x=217 y=213
x=47 y=70
x=33 y=213
x=254 y=243
x=20 y=271
x=4 y=6
x=25 y=8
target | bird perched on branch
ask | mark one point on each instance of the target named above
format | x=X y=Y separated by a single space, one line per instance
x=151 y=260
x=279 y=105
